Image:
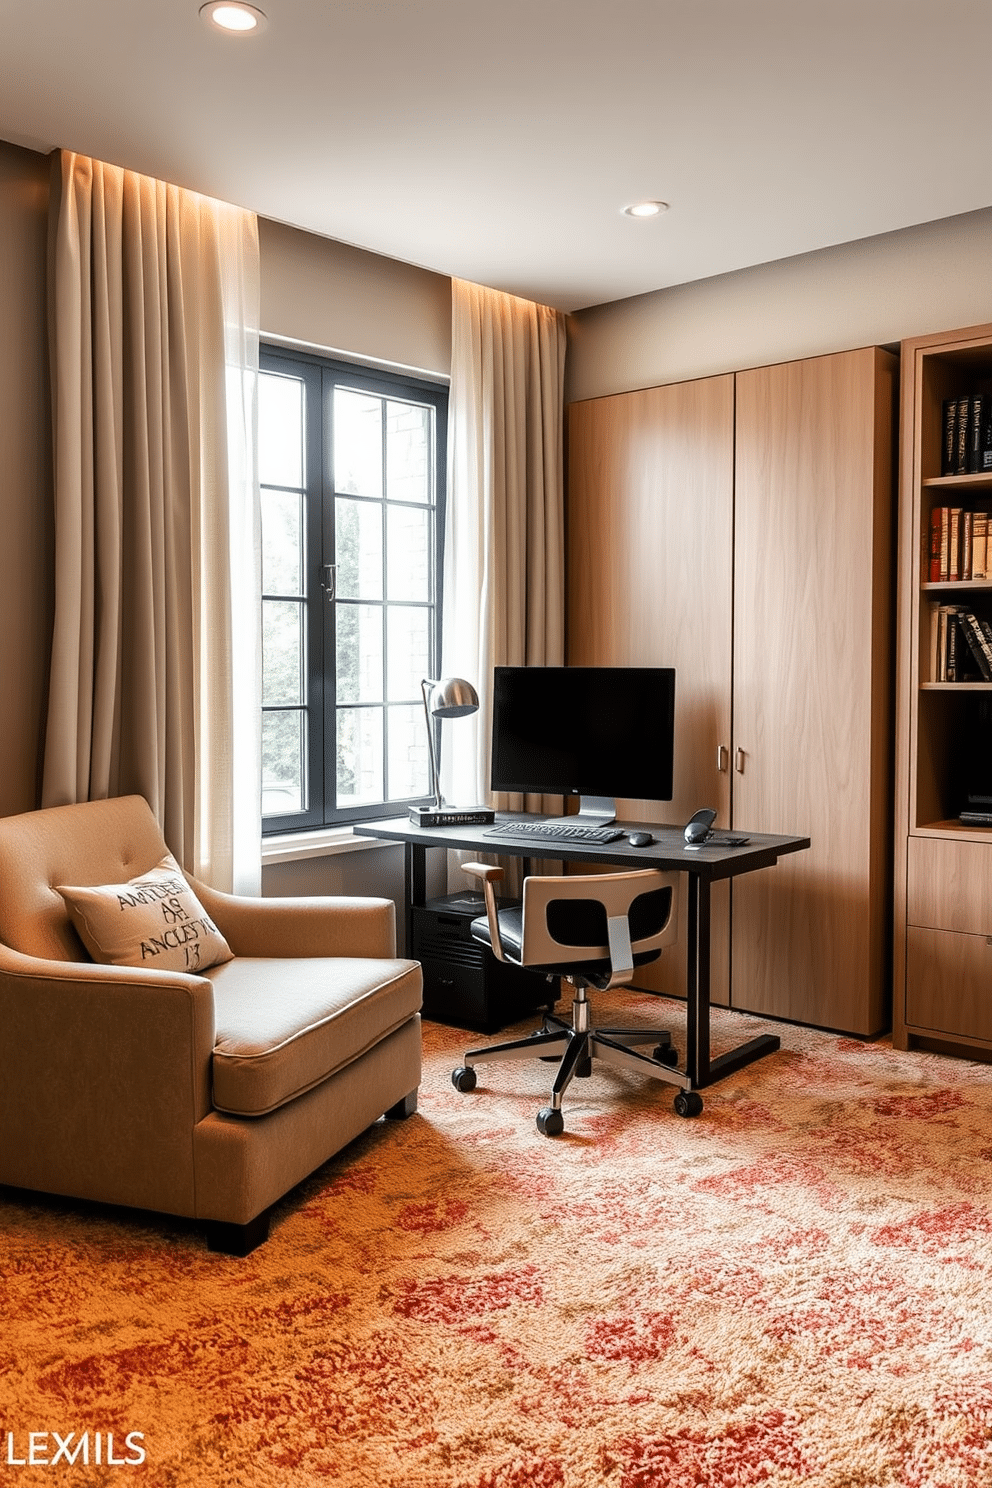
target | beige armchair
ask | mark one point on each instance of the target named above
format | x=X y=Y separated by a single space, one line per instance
x=210 y=1094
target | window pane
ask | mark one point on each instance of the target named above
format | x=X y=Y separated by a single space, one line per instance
x=359 y=653
x=280 y=430
x=408 y=632
x=357 y=443
x=407 y=553
x=408 y=449
x=359 y=756
x=358 y=548
x=282 y=542
x=282 y=652
x=283 y=763
x=409 y=771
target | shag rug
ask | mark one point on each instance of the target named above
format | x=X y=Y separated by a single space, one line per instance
x=793 y=1288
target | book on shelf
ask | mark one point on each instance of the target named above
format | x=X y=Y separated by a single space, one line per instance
x=960 y=645
x=966 y=434
x=954 y=546
x=978 y=641
x=979 y=545
x=944 y=557
x=949 y=412
x=943 y=645
x=959 y=546
x=978 y=405
x=961 y=435
x=967 y=528
x=936 y=523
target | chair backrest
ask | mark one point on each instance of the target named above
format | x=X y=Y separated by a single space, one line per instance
x=568 y=919
x=95 y=842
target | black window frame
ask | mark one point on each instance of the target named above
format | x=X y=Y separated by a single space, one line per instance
x=320 y=375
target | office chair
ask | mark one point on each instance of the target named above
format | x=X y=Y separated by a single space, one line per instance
x=592 y=931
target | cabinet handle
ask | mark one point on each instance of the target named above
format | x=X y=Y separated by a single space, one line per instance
x=739 y=762
x=722 y=758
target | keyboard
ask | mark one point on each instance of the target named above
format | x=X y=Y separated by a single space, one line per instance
x=545 y=831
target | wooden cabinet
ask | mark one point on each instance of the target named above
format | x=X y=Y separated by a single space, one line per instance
x=813 y=584
x=650 y=583
x=943 y=881
x=739 y=528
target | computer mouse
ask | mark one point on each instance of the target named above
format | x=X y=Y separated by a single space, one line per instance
x=640 y=839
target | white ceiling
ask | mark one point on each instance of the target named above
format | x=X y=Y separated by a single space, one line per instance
x=497 y=140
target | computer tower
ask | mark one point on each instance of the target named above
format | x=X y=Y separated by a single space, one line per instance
x=464 y=983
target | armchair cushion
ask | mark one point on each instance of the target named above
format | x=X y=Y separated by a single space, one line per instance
x=282 y=1029
x=153 y=920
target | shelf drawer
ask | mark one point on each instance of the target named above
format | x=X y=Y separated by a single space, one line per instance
x=949 y=983
x=949 y=885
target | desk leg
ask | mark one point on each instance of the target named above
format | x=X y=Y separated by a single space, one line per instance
x=699 y=1067
x=414 y=884
x=697 y=1054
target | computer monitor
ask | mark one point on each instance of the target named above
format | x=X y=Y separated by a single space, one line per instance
x=598 y=733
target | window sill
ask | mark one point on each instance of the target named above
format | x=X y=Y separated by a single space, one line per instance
x=290 y=847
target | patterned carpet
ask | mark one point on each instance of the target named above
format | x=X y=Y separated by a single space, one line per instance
x=793 y=1288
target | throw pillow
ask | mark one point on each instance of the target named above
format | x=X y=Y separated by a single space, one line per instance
x=154 y=920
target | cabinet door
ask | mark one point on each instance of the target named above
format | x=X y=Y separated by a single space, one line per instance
x=650 y=530
x=813 y=555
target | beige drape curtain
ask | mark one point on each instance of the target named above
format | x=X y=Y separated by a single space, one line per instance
x=155 y=671
x=503 y=596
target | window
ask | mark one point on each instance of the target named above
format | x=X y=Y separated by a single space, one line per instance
x=351 y=464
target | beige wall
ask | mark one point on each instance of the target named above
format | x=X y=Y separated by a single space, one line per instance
x=26 y=592
x=870 y=293
x=341 y=299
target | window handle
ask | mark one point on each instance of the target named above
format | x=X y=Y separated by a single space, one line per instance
x=329 y=582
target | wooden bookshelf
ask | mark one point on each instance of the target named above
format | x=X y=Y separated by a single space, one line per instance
x=943 y=880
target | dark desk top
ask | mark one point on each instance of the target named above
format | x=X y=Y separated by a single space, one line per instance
x=714 y=860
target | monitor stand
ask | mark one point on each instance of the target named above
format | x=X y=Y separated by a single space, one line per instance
x=594 y=811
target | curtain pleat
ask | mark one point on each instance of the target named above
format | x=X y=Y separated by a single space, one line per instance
x=155 y=674
x=503 y=594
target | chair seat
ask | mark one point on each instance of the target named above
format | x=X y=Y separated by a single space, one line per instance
x=282 y=1029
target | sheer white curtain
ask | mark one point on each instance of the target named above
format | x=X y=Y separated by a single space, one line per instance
x=503 y=597
x=155 y=675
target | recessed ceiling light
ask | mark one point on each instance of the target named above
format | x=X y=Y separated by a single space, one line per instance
x=234 y=17
x=646 y=209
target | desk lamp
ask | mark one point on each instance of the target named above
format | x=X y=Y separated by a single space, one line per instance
x=447 y=697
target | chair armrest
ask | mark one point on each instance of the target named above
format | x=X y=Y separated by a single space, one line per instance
x=106 y=1072
x=489 y=874
x=321 y=926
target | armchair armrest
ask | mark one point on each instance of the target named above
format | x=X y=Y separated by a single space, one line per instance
x=106 y=1072
x=322 y=926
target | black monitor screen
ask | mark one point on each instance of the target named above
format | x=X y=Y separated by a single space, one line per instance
x=584 y=731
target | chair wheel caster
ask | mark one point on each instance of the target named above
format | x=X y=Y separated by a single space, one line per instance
x=464 y=1078
x=550 y=1123
x=666 y=1054
x=688 y=1103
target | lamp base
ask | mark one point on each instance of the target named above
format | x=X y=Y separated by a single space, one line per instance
x=452 y=816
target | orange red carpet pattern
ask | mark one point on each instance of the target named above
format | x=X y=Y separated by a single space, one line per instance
x=793 y=1288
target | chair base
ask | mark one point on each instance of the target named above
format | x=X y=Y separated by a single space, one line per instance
x=575 y=1046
